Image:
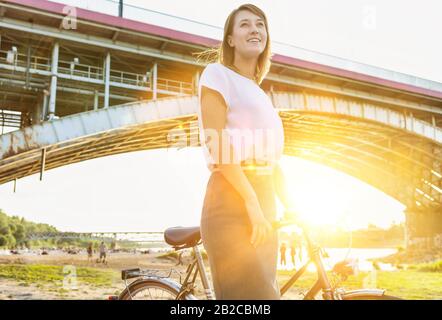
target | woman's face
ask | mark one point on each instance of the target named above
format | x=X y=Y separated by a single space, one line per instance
x=249 y=35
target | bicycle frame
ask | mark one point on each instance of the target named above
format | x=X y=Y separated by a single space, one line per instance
x=187 y=286
x=315 y=257
x=321 y=284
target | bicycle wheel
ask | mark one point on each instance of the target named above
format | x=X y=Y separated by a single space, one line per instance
x=153 y=289
x=373 y=297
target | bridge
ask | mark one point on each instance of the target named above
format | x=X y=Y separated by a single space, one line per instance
x=113 y=85
x=145 y=237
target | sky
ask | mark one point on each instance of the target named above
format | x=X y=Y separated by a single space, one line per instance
x=153 y=190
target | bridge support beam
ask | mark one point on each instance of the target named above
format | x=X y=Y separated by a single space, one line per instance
x=54 y=72
x=423 y=227
x=107 y=64
x=35 y=109
x=154 y=81
x=95 y=100
x=196 y=81
x=44 y=107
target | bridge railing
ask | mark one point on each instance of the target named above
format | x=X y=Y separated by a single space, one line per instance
x=90 y=73
x=9 y=119
x=130 y=236
x=20 y=60
x=175 y=86
x=80 y=70
x=135 y=79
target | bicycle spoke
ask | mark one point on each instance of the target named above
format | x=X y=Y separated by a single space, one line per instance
x=153 y=293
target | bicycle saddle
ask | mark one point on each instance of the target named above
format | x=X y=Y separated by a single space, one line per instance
x=182 y=236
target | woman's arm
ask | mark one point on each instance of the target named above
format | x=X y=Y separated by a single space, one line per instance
x=214 y=112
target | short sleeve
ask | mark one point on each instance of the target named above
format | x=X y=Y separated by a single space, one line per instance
x=214 y=77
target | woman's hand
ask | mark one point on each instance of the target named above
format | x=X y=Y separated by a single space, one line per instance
x=261 y=227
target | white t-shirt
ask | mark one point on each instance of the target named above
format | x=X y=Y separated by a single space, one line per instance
x=253 y=125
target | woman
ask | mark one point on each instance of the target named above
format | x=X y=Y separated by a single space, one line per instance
x=243 y=141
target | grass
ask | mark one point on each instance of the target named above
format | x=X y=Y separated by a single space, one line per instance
x=47 y=274
x=420 y=282
x=407 y=284
x=429 y=267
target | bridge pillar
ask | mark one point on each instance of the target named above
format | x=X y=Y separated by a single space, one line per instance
x=120 y=9
x=95 y=100
x=40 y=111
x=196 y=80
x=154 y=80
x=54 y=72
x=44 y=106
x=423 y=226
x=37 y=110
x=107 y=79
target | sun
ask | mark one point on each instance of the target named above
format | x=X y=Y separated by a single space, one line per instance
x=325 y=197
x=317 y=204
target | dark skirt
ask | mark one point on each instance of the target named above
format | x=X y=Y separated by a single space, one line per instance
x=238 y=269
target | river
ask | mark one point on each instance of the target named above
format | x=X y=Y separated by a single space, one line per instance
x=337 y=254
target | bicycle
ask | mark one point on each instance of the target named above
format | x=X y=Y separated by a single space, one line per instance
x=149 y=285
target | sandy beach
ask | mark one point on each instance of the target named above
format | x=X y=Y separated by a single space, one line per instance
x=12 y=289
x=18 y=289
x=32 y=276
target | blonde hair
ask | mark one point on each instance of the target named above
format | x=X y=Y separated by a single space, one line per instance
x=224 y=53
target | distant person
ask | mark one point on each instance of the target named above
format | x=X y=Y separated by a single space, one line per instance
x=299 y=243
x=90 y=252
x=293 y=253
x=103 y=251
x=282 y=250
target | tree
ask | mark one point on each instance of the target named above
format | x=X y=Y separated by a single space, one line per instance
x=4 y=225
x=15 y=230
x=10 y=241
x=3 y=241
x=19 y=234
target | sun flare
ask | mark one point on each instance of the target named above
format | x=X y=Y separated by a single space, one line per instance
x=323 y=196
